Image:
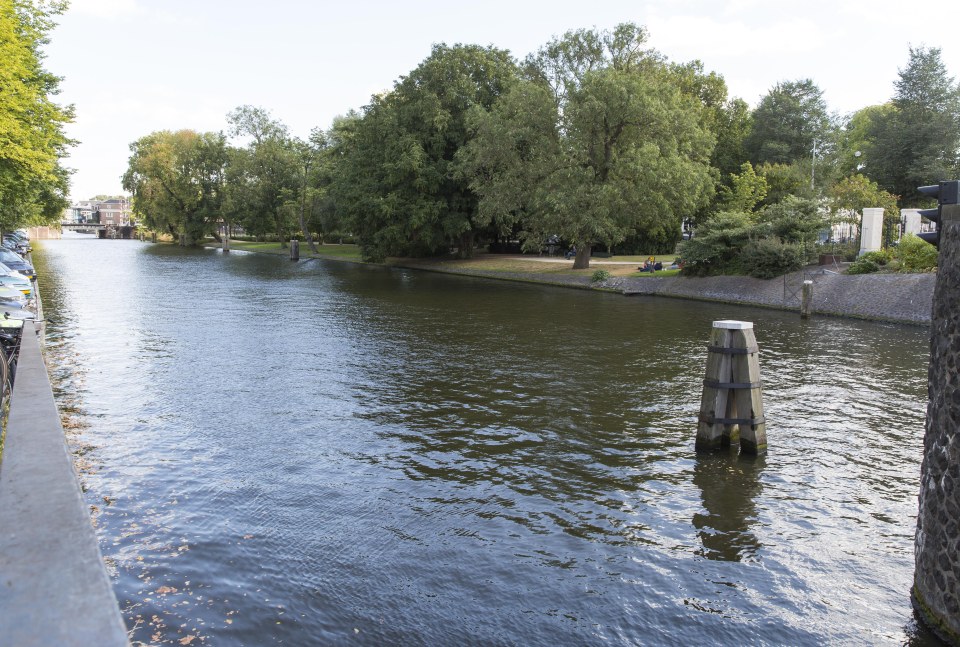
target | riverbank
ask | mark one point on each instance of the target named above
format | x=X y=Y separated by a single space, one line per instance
x=898 y=298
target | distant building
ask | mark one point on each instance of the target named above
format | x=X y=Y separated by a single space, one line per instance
x=112 y=211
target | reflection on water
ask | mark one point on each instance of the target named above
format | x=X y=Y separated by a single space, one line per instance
x=729 y=485
x=322 y=453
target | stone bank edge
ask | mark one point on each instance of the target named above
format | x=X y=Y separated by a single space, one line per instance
x=54 y=587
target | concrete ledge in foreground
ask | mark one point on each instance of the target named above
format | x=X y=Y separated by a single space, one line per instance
x=54 y=589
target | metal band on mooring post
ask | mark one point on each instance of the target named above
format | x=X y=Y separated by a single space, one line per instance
x=732 y=406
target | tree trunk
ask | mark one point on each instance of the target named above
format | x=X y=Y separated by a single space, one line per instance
x=466 y=245
x=303 y=223
x=582 y=259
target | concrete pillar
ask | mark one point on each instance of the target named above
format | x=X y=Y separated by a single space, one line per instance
x=871 y=233
x=936 y=588
x=911 y=221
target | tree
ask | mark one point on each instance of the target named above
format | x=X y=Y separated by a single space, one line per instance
x=263 y=178
x=918 y=141
x=746 y=190
x=787 y=123
x=176 y=179
x=398 y=182
x=33 y=183
x=854 y=194
x=599 y=141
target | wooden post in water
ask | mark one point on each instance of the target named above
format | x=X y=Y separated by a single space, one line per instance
x=806 y=300
x=153 y=237
x=732 y=406
x=294 y=250
x=183 y=240
x=226 y=242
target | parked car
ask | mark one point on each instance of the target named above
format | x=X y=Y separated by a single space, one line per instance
x=16 y=245
x=15 y=262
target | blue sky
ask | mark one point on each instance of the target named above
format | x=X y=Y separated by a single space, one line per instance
x=131 y=67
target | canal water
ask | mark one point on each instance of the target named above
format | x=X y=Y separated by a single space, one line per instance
x=327 y=453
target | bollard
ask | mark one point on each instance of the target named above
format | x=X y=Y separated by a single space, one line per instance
x=806 y=300
x=153 y=237
x=294 y=250
x=226 y=243
x=732 y=406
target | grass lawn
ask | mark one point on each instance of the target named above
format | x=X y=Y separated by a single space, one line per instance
x=627 y=266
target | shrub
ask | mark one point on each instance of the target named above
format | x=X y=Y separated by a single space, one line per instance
x=864 y=265
x=599 y=275
x=716 y=247
x=916 y=254
x=766 y=258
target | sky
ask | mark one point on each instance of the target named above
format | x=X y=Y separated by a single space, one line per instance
x=132 y=67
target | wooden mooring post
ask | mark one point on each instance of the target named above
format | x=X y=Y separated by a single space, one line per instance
x=294 y=250
x=806 y=300
x=732 y=406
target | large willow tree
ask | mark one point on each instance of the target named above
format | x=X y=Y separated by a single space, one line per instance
x=601 y=140
x=176 y=179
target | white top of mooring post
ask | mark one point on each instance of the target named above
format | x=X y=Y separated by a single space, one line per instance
x=733 y=325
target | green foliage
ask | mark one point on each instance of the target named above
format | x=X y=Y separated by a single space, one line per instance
x=745 y=192
x=917 y=141
x=396 y=182
x=784 y=180
x=176 y=179
x=599 y=276
x=779 y=239
x=787 y=122
x=716 y=247
x=769 y=257
x=850 y=196
x=916 y=254
x=601 y=140
x=33 y=183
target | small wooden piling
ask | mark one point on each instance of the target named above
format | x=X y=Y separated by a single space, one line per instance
x=153 y=237
x=806 y=300
x=183 y=240
x=226 y=243
x=732 y=406
x=294 y=250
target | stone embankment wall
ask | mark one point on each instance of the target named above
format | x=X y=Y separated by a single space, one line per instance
x=904 y=298
x=936 y=591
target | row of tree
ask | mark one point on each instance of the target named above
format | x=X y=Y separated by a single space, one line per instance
x=595 y=138
x=33 y=182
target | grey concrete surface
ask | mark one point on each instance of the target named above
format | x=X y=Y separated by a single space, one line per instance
x=54 y=589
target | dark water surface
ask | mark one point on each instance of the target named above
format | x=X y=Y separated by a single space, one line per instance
x=321 y=453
